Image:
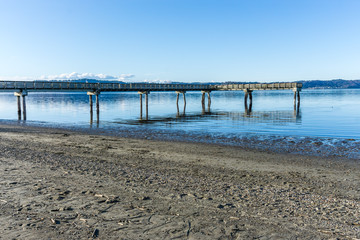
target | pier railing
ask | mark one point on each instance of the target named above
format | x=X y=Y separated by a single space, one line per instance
x=259 y=86
x=74 y=86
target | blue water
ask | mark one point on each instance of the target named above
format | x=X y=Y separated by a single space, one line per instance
x=323 y=113
x=332 y=115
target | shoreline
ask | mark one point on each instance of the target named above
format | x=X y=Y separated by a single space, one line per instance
x=333 y=147
x=75 y=185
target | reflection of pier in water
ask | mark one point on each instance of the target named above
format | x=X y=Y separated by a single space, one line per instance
x=284 y=116
x=273 y=117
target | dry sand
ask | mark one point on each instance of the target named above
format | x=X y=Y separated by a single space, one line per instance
x=57 y=184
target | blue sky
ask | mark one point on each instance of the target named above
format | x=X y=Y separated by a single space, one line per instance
x=180 y=40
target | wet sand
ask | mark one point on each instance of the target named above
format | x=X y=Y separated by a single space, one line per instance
x=58 y=184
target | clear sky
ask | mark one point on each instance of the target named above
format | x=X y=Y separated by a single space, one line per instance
x=180 y=40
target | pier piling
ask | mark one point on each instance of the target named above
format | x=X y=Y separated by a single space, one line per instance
x=141 y=105
x=97 y=103
x=146 y=104
x=248 y=95
x=209 y=99
x=91 y=103
x=19 y=107
x=24 y=107
x=177 y=97
x=177 y=101
x=297 y=95
x=203 y=100
x=96 y=93
x=18 y=95
x=91 y=109
x=184 y=99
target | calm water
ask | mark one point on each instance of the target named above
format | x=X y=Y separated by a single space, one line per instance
x=328 y=114
x=323 y=113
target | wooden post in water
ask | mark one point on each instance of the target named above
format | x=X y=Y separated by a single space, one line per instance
x=203 y=97
x=184 y=103
x=177 y=100
x=246 y=97
x=19 y=107
x=147 y=105
x=97 y=103
x=24 y=94
x=296 y=94
x=91 y=94
x=91 y=108
x=177 y=104
x=209 y=100
x=141 y=108
x=248 y=94
x=91 y=103
x=177 y=110
x=184 y=99
x=18 y=95
x=203 y=100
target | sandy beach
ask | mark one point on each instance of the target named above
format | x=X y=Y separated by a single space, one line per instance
x=57 y=184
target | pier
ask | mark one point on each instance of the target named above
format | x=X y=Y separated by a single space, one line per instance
x=22 y=88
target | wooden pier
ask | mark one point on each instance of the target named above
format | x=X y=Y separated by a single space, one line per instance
x=21 y=89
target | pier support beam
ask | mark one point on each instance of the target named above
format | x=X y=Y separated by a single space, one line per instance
x=97 y=104
x=248 y=94
x=91 y=94
x=177 y=97
x=19 y=106
x=203 y=100
x=141 y=108
x=24 y=105
x=146 y=104
x=91 y=108
x=297 y=95
x=177 y=101
x=20 y=94
x=209 y=98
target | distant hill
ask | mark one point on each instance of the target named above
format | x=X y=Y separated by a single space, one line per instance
x=337 y=83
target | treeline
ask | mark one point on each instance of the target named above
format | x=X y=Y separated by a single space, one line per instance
x=338 y=83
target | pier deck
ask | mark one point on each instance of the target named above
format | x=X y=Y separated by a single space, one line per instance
x=121 y=87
